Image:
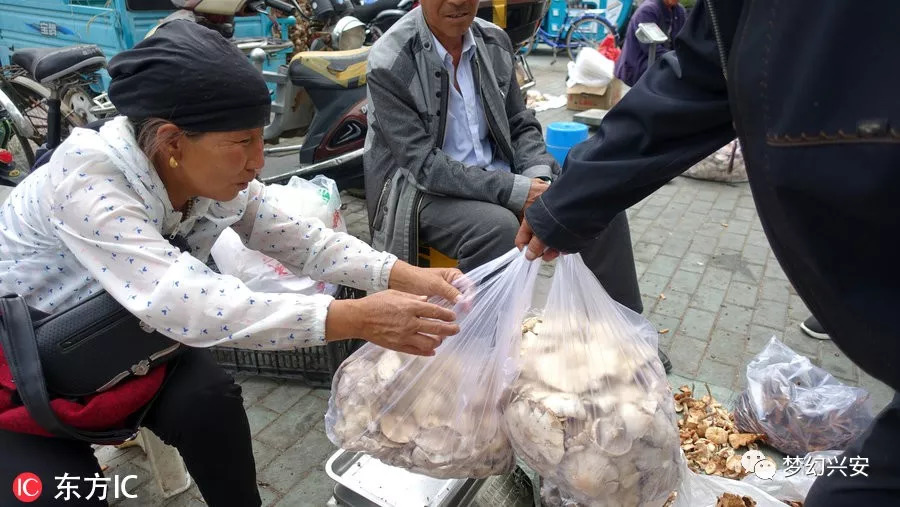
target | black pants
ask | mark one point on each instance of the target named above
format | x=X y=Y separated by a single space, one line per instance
x=199 y=411
x=475 y=232
x=881 y=486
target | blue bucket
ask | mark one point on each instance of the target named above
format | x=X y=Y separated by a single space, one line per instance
x=558 y=152
x=562 y=135
x=566 y=133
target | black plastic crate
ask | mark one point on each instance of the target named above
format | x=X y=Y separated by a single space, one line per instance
x=315 y=366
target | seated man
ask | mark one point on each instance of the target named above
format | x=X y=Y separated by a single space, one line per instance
x=453 y=158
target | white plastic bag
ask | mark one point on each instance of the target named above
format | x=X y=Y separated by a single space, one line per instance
x=590 y=68
x=317 y=198
x=440 y=415
x=592 y=411
x=800 y=407
x=795 y=487
x=700 y=490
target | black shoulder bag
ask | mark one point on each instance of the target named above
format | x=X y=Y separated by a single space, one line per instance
x=84 y=350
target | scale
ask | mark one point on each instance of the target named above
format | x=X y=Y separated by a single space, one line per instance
x=646 y=33
x=363 y=481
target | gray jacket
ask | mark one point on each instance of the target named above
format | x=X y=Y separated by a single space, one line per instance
x=408 y=89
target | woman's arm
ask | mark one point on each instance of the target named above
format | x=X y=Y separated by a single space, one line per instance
x=308 y=247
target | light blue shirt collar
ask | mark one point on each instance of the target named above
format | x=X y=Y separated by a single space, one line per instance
x=468 y=47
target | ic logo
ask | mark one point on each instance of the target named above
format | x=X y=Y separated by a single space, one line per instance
x=27 y=487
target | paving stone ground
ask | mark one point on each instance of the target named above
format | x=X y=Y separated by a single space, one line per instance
x=709 y=283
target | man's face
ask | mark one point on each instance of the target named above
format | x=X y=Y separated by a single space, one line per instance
x=670 y=3
x=449 y=19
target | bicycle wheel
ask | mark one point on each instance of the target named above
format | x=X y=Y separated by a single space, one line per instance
x=33 y=106
x=588 y=31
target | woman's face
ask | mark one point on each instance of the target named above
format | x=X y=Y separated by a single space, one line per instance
x=218 y=165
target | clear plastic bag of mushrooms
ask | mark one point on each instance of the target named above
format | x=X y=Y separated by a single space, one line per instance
x=440 y=415
x=591 y=410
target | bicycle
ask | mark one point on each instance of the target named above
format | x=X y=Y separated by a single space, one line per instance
x=587 y=29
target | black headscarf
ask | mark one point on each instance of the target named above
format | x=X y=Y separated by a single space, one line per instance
x=191 y=76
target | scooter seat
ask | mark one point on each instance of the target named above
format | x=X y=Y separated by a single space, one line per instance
x=367 y=12
x=329 y=69
x=49 y=64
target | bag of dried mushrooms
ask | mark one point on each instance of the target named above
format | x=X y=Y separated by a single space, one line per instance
x=591 y=410
x=440 y=415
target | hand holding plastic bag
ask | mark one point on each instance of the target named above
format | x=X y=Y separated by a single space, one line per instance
x=800 y=407
x=591 y=411
x=440 y=415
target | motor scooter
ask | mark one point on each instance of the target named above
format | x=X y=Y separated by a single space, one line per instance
x=333 y=80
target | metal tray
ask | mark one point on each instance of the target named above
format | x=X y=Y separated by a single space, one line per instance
x=364 y=481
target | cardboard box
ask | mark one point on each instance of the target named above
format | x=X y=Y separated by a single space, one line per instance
x=582 y=98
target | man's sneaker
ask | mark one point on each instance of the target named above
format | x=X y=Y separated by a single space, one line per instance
x=667 y=365
x=812 y=328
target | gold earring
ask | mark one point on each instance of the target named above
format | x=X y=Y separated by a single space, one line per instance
x=173 y=163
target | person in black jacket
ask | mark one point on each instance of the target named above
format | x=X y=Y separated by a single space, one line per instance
x=810 y=88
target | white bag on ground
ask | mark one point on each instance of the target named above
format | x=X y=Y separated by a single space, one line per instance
x=795 y=487
x=317 y=198
x=591 y=411
x=700 y=490
x=590 y=68
x=800 y=407
x=440 y=415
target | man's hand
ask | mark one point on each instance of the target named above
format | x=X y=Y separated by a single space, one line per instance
x=536 y=247
x=538 y=187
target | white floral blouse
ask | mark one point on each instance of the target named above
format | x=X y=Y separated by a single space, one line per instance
x=97 y=217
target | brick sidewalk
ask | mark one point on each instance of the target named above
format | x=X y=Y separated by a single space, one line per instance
x=707 y=276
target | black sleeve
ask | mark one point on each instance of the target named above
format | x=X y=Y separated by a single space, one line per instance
x=676 y=115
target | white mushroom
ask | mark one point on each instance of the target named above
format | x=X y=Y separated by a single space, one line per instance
x=388 y=366
x=591 y=474
x=398 y=428
x=564 y=405
x=439 y=421
x=636 y=420
x=587 y=412
x=540 y=429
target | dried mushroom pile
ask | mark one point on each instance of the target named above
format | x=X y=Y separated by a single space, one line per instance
x=732 y=500
x=427 y=428
x=594 y=419
x=797 y=428
x=709 y=437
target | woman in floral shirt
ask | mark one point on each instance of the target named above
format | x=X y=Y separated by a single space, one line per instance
x=100 y=216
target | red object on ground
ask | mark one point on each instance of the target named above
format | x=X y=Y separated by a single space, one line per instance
x=608 y=48
x=5 y=157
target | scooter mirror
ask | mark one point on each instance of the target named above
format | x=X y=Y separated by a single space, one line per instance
x=348 y=33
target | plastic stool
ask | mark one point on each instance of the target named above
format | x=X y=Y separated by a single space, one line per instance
x=562 y=135
x=166 y=464
x=429 y=257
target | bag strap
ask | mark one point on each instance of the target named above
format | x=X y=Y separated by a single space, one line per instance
x=20 y=347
